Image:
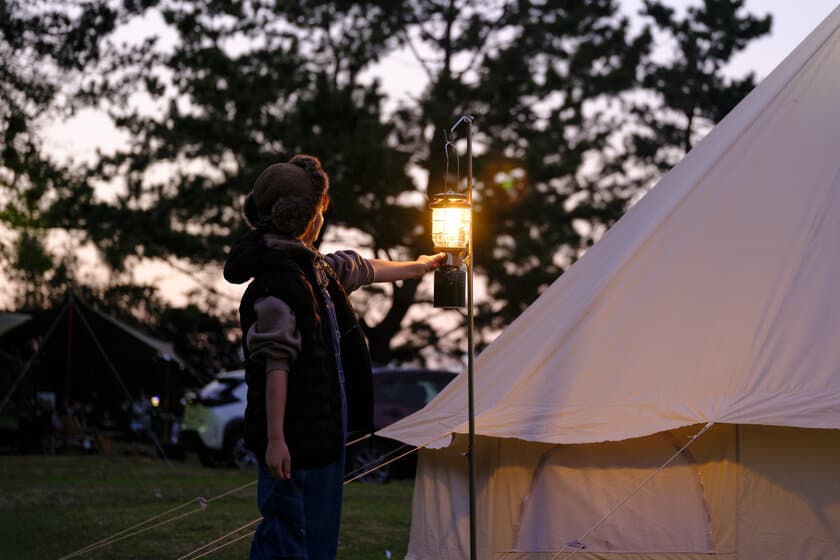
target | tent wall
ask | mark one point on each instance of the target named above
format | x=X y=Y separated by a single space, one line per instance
x=788 y=493
x=577 y=486
x=769 y=493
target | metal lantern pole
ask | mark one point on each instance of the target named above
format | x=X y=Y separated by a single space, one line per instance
x=470 y=263
x=471 y=348
x=452 y=232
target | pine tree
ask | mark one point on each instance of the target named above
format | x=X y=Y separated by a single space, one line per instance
x=226 y=87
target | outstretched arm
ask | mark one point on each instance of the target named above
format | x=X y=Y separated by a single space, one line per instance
x=390 y=271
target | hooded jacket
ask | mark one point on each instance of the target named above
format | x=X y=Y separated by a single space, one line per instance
x=313 y=425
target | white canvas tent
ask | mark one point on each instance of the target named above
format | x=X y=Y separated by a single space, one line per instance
x=713 y=301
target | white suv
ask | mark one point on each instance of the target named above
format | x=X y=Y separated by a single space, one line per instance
x=212 y=425
x=213 y=419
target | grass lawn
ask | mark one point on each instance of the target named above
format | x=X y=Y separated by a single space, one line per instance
x=52 y=506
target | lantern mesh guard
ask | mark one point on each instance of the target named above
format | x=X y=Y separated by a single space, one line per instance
x=450 y=221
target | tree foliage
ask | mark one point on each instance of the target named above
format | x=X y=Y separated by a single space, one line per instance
x=568 y=101
x=693 y=93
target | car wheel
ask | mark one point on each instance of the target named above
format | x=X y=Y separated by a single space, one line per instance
x=242 y=457
x=366 y=456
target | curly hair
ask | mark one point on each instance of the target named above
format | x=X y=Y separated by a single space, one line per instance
x=319 y=178
x=284 y=200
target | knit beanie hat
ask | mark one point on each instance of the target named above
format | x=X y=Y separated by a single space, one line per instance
x=286 y=196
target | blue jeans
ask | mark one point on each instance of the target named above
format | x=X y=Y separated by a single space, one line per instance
x=301 y=516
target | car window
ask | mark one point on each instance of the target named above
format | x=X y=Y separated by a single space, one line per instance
x=219 y=387
x=410 y=389
x=430 y=389
x=402 y=392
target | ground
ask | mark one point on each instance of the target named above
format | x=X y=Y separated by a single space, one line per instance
x=52 y=506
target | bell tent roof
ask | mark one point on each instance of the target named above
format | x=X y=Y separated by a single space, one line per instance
x=714 y=299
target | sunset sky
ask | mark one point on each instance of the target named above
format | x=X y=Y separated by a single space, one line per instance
x=79 y=137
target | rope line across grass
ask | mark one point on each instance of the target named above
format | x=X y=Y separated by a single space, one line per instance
x=127 y=533
x=120 y=535
x=227 y=544
x=189 y=555
x=211 y=543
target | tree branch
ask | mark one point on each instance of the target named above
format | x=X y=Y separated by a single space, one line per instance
x=482 y=50
x=201 y=284
x=419 y=58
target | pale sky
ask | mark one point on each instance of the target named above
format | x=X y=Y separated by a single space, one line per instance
x=793 y=20
x=400 y=75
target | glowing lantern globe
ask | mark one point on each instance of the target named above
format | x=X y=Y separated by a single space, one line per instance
x=451 y=221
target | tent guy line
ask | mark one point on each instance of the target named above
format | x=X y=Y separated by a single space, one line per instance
x=351 y=476
x=190 y=556
x=108 y=361
x=635 y=491
x=225 y=545
x=126 y=533
x=32 y=360
x=121 y=535
x=648 y=478
x=119 y=379
x=211 y=543
x=354 y=476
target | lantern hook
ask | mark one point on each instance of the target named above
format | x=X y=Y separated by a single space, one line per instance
x=466 y=118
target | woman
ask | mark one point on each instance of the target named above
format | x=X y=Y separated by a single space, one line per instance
x=306 y=360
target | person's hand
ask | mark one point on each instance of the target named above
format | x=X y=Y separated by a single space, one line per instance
x=278 y=460
x=392 y=271
x=431 y=262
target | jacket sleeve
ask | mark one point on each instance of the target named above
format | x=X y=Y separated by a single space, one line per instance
x=274 y=336
x=352 y=270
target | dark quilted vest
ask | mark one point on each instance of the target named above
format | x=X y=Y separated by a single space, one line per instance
x=313 y=420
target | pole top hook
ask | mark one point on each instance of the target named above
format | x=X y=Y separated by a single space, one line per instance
x=466 y=118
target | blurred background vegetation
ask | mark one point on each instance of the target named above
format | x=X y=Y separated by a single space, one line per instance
x=577 y=113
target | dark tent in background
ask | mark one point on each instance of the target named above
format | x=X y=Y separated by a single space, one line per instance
x=9 y=321
x=86 y=358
